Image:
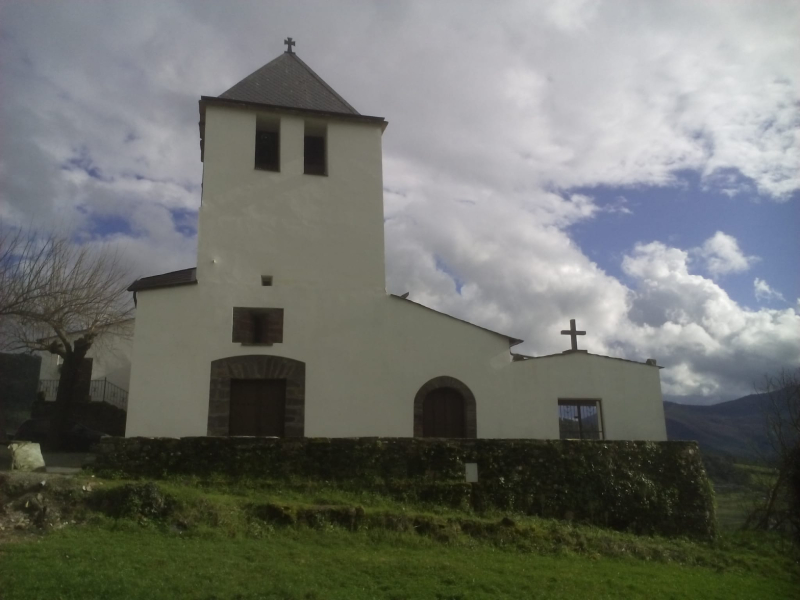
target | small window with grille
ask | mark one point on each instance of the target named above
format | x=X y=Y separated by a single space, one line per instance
x=580 y=420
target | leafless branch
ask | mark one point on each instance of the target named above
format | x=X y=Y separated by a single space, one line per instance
x=52 y=289
x=782 y=428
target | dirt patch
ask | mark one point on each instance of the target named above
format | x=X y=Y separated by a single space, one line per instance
x=33 y=503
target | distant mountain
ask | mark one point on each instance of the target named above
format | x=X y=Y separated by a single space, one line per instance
x=735 y=427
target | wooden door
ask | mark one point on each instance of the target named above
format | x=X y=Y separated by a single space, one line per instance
x=257 y=407
x=443 y=414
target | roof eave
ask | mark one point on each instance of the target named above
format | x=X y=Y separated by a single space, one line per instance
x=165 y=280
x=526 y=358
x=134 y=288
x=290 y=109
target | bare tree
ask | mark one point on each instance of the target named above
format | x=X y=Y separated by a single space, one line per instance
x=782 y=427
x=58 y=297
x=24 y=259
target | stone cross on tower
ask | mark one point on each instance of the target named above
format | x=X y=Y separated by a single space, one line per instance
x=289 y=43
x=573 y=333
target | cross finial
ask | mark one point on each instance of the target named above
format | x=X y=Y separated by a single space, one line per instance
x=289 y=43
x=573 y=333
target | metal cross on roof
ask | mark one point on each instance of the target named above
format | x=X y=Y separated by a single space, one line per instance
x=573 y=333
x=289 y=43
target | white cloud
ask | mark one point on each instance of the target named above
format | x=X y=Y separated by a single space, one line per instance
x=619 y=205
x=764 y=292
x=572 y=15
x=722 y=255
x=522 y=275
x=711 y=345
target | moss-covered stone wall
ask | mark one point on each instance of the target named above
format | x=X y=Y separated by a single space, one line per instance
x=647 y=487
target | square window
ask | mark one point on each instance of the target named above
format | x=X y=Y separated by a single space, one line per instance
x=580 y=420
x=263 y=326
x=266 y=280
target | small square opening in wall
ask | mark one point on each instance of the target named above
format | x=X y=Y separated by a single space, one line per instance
x=266 y=280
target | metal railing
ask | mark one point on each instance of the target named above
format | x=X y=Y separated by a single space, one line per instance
x=100 y=390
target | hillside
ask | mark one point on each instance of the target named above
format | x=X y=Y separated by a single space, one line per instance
x=735 y=427
x=311 y=540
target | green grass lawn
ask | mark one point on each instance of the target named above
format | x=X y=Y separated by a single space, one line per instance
x=214 y=545
x=130 y=561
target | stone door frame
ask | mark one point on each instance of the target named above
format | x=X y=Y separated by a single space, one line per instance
x=257 y=366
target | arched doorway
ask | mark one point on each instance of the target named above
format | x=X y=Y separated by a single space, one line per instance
x=445 y=407
x=443 y=414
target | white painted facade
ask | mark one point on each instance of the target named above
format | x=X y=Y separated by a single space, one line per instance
x=366 y=353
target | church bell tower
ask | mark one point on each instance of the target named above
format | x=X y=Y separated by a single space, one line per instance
x=292 y=185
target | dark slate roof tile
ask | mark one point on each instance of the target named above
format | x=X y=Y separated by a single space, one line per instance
x=289 y=82
x=175 y=278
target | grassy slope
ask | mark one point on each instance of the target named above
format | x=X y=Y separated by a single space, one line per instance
x=224 y=553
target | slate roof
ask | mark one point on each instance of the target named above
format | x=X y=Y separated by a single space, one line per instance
x=289 y=82
x=172 y=279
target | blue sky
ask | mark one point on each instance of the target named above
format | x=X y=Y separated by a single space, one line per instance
x=687 y=215
x=630 y=164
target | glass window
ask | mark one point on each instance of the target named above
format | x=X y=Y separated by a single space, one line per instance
x=580 y=420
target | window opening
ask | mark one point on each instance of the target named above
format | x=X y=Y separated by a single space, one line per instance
x=268 y=145
x=257 y=326
x=267 y=151
x=580 y=420
x=266 y=280
x=315 y=150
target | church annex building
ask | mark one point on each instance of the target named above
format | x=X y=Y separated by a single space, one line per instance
x=284 y=328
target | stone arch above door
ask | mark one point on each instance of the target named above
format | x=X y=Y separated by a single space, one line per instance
x=470 y=411
x=257 y=366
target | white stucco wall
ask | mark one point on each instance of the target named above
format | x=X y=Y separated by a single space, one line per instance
x=320 y=232
x=366 y=353
x=629 y=393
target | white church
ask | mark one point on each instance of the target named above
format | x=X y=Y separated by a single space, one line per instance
x=284 y=327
